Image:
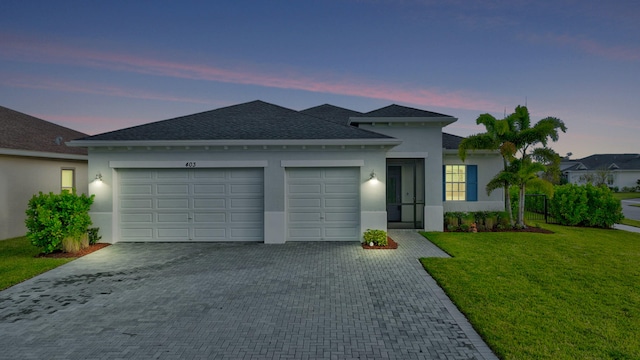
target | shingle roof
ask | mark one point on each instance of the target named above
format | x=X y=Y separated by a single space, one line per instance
x=24 y=132
x=256 y=120
x=450 y=141
x=332 y=113
x=607 y=161
x=402 y=111
x=341 y=116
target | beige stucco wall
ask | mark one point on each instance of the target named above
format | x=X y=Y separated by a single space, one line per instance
x=21 y=177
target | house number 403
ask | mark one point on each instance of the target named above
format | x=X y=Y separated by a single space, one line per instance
x=190 y=164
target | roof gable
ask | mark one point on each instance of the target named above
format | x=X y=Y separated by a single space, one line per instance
x=25 y=132
x=332 y=113
x=402 y=111
x=255 y=120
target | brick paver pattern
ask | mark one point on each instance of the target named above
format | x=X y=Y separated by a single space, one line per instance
x=238 y=301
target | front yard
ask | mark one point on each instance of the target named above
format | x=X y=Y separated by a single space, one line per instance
x=19 y=262
x=574 y=294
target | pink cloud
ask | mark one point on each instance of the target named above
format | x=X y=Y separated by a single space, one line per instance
x=76 y=87
x=613 y=52
x=28 y=49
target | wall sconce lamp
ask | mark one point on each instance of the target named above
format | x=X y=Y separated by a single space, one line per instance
x=98 y=177
x=372 y=176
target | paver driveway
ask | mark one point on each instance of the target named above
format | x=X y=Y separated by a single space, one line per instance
x=238 y=301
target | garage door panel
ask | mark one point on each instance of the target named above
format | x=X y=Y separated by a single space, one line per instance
x=346 y=189
x=209 y=189
x=137 y=234
x=311 y=203
x=172 y=174
x=323 y=204
x=166 y=234
x=191 y=204
x=305 y=189
x=250 y=203
x=210 y=218
x=341 y=217
x=246 y=189
x=350 y=203
x=172 y=189
x=142 y=189
x=137 y=218
x=138 y=204
x=172 y=204
x=246 y=217
x=174 y=218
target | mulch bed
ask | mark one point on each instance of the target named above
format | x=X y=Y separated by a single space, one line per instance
x=392 y=245
x=59 y=254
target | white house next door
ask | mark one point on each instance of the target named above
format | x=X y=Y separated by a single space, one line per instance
x=191 y=204
x=323 y=204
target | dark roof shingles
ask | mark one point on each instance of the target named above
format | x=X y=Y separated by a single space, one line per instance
x=25 y=132
x=256 y=120
x=402 y=111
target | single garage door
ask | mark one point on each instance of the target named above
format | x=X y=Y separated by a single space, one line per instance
x=323 y=204
x=191 y=205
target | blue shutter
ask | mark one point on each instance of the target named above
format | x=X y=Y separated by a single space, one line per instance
x=472 y=182
x=444 y=182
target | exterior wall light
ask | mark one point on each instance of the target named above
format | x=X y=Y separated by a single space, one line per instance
x=372 y=176
x=98 y=177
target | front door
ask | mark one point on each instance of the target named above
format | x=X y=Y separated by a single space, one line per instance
x=394 y=193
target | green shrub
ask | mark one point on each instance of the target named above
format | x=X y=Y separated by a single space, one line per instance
x=377 y=237
x=585 y=205
x=92 y=233
x=53 y=217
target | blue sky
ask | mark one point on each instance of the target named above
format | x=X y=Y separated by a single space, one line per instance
x=97 y=66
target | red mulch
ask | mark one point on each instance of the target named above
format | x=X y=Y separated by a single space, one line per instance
x=392 y=245
x=59 y=254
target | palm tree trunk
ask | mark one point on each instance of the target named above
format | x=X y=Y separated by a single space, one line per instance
x=507 y=204
x=521 y=206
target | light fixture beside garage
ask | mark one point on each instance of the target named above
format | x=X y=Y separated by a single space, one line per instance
x=372 y=176
x=98 y=177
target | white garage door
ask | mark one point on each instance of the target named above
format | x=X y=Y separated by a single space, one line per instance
x=323 y=204
x=191 y=205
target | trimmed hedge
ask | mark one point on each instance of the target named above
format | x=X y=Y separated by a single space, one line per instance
x=585 y=205
x=53 y=217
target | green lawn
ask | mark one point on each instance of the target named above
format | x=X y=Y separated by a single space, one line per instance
x=574 y=294
x=625 y=196
x=630 y=222
x=18 y=262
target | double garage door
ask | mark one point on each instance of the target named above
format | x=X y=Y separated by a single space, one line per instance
x=228 y=204
x=196 y=205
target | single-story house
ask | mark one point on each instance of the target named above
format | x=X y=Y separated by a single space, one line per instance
x=616 y=170
x=261 y=172
x=34 y=158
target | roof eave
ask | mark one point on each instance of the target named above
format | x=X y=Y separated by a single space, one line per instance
x=282 y=142
x=43 y=154
x=441 y=120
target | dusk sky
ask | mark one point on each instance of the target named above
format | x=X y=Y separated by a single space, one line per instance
x=97 y=66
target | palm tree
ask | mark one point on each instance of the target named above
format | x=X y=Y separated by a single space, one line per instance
x=528 y=160
x=515 y=138
x=498 y=136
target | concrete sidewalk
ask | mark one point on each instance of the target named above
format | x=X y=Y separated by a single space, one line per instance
x=238 y=301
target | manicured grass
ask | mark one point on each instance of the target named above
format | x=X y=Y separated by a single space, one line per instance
x=625 y=196
x=630 y=222
x=18 y=262
x=574 y=294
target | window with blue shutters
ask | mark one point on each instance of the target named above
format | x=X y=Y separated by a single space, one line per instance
x=460 y=183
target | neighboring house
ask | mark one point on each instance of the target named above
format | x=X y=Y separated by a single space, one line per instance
x=615 y=170
x=261 y=172
x=34 y=158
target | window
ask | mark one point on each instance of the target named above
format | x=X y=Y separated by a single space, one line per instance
x=460 y=183
x=68 y=177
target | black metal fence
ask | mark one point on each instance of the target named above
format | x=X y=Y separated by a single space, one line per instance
x=536 y=208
